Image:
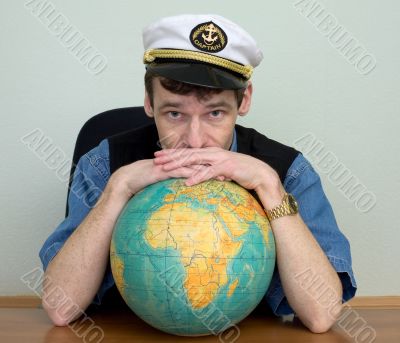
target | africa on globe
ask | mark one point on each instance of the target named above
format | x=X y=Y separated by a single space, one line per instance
x=192 y=260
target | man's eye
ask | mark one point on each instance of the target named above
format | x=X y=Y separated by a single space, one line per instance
x=216 y=114
x=174 y=114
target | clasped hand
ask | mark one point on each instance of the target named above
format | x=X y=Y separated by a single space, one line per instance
x=220 y=164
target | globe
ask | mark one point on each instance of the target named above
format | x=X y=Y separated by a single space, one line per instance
x=192 y=260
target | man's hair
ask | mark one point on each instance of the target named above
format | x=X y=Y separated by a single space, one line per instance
x=182 y=88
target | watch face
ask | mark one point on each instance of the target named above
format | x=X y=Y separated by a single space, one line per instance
x=292 y=203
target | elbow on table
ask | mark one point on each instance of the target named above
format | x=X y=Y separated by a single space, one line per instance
x=322 y=322
x=61 y=315
x=55 y=316
x=320 y=325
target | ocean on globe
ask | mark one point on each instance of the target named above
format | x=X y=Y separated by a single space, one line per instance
x=192 y=260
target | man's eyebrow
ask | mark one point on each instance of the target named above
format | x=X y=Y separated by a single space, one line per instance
x=169 y=104
x=216 y=104
x=221 y=103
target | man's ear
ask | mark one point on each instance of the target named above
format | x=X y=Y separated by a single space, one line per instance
x=147 y=106
x=246 y=102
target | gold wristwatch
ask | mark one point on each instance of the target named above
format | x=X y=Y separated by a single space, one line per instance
x=288 y=206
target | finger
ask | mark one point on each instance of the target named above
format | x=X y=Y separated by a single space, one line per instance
x=187 y=171
x=207 y=173
x=197 y=167
x=191 y=170
x=172 y=153
x=174 y=158
x=164 y=155
x=188 y=160
x=165 y=152
x=181 y=172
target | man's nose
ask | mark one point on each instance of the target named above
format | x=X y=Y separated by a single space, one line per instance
x=195 y=135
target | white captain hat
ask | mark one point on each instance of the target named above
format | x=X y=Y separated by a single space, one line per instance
x=206 y=50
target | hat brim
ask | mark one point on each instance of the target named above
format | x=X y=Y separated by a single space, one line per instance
x=198 y=74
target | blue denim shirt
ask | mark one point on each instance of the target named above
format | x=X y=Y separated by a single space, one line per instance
x=93 y=172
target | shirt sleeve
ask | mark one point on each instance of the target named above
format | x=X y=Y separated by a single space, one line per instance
x=305 y=184
x=90 y=178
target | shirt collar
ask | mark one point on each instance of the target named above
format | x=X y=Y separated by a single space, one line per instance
x=233 y=147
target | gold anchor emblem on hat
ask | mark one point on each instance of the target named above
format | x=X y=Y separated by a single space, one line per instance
x=209 y=39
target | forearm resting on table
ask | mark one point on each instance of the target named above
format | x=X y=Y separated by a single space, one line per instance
x=298 y=253
x=78 y=268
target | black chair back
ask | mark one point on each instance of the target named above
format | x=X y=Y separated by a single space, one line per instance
x=104 y=125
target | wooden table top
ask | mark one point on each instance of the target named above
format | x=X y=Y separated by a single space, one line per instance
x=32 y=325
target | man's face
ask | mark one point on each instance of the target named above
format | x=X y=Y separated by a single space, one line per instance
x=186 y=121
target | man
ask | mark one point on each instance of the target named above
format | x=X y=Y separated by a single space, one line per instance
x=197 y=83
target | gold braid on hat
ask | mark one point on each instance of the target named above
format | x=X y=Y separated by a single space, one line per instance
x=152 y=54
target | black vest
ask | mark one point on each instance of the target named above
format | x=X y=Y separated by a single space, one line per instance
x=141 y=143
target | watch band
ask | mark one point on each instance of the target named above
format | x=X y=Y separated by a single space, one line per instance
x=288 y=206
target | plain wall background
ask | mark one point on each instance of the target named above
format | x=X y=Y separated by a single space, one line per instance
x=303 y=86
